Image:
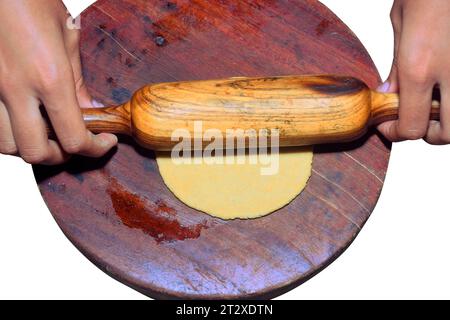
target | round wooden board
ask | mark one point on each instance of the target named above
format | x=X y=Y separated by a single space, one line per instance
x=119 y=213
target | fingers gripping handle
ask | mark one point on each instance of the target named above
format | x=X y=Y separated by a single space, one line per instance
x=108 y=120
x=385 y=107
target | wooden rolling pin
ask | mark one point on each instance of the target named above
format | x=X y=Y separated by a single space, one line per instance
x=306 y=110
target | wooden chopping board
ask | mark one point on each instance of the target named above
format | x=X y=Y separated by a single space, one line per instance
x=117 y=210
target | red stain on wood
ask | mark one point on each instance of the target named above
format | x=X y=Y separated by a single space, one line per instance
x=163 y=207
x=135 y=212
x=322 y=27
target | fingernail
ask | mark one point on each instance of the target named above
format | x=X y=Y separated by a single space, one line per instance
x=384 y=88
x=97 y=104
x=106 y=140
x=110 y=140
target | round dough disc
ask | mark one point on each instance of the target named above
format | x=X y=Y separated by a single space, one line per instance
x=238 y=190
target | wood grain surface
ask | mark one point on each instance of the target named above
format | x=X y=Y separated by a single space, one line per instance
x=117 y=210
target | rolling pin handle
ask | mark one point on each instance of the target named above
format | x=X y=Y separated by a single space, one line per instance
x=385 y=107
x=109 y=119
x=98 y=120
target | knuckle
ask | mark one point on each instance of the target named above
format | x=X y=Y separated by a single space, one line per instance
x=416 y=69
x=8 y=148
x=50 y=76
x=74 y=145
x=48 y=82
x=392 y=15
x=420 y=78
x=34 y=156
x=411 y=133
x=393 y=12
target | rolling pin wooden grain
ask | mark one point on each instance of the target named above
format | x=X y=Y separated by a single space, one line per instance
x=306 y=110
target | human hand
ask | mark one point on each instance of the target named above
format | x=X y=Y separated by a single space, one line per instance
x=40 y=64
x=421 y=62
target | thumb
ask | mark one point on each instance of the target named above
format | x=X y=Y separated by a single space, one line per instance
x=389 y=128
x=85 y=99
x=82 y=93
x=391 y=85
x=72 y=38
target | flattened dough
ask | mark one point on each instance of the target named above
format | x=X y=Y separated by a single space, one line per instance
x=230 y=191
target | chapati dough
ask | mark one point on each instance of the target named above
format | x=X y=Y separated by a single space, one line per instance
x=230 y=191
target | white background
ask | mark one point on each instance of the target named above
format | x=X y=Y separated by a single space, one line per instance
x=402 y=252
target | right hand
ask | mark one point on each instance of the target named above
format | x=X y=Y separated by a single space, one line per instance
x=40 y=64
x=421 y=62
